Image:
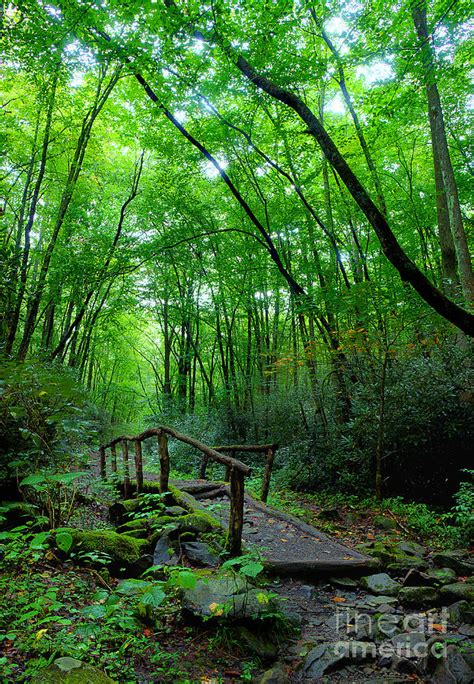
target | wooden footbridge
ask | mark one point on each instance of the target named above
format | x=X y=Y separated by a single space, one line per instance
x=288 y=545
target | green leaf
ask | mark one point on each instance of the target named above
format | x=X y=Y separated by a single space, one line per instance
x=251 y=569
x=38 y=540
x=96 y=611
x=32 y=480
x=132 y=587
x=186 y=580
x=64 y=541
x=154 y=597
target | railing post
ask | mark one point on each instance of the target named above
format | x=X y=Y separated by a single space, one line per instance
x=113 y=451
x=236 y=521
x=138 y=465
x=164 y=461
x=126 y=470
x=270 y=456
x=203 y=467
x=102 y=463
x=227 y=468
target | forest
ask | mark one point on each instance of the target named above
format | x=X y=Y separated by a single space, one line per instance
x=236 y=322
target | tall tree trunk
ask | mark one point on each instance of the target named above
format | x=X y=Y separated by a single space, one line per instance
x=446 y=188
x=31 y=215
x=102 y=95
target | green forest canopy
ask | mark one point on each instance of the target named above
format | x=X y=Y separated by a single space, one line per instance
x=257 y=210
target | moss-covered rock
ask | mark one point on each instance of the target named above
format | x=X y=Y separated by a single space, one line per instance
x=458 y=560
x=196 y=523
x=458 y=591
x=418 y=596
x=227 y=596
x=71 y=671
x=124 y=551
x=120 y=509
x=380 y=584
x=257 y=643
x=384 y=523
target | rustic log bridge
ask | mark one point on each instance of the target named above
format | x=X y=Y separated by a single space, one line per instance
x=268 y=449
x=236 y=469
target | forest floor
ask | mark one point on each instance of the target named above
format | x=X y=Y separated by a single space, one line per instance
x=49 y=608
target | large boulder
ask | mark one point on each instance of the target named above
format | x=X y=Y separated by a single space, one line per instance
x=125 y=553
x=70 y=671
x=200 y=554
x=418 y=596
x=458 y=560
x=327 y=657
x=227 y=595
x=381 y=584
x=458 y=591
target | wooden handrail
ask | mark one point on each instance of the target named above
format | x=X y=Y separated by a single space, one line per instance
x=235 y=469
x=268 y=449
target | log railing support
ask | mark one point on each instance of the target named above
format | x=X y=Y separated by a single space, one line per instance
x=236 y=522
x=203 y=467
x=164 y=461
x=102 y=463
x=113 y=451
x=235 y=470
x=126 y=470
x=138 y=465
x=270 y=457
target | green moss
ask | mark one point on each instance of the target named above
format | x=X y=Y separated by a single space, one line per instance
x=79 y=673
x=122 y=548
x=179 y=497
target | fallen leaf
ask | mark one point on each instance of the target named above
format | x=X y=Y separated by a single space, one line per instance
x=438 y=628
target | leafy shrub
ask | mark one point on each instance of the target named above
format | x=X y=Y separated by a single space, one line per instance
x=45 y=418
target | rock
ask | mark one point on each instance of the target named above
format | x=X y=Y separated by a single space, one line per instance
x=70 y=671
x=415 y=578
x=384 y=523
x=120 y=509
x=126 y=553
x=409 y=644
x=274 y=676
x=198 y=522
x=327 y=657
x=381 y=600
x=381 y=584
x=229 y=596
x=452 y=669
x=441 y=575
x=457 y=611
x=175 y=510
x=163 y=553
x=458 y=560
x=458 y=590
x=406 y=563
x=410 y=548
x=307 y=591
x=198 y=552
x=345 y=582
x=257 y=643
x=466 y=630
x=418 y=596
x=398 y=664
